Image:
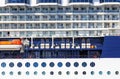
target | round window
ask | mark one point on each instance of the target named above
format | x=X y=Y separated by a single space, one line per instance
x=35 y=64
x=68 y=64
x=3 y=64
x=60 y=64
x=27 y=64
x=11 y=64
x=19 y=64
x=43 y=64
x=84 y=64
x=51 y=64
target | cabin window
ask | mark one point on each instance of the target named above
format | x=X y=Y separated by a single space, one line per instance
x=84 y=64
x=60 y=64
x=3 y=73
x=35 y=73
x=51 y=64
x=19 y=64
x=35 y=64
x=11 y=64
x=59 y=73
x=68 y=64
x=27 y=64
x=92 y=64
x=76 y=72
x=76 y=64
x=43 y=64
x=11 y=73
x=43 y=73
x=68 y=73
x=3 y=64
x=27 y=73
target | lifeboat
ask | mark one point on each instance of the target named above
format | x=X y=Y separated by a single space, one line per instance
x=14 y=44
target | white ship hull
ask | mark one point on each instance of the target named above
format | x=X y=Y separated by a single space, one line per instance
x=104 y=68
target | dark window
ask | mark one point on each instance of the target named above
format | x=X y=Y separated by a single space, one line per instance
x=101 y=1
x=19 y=64
x=18 y=1
x=68 y=64
x=3 y=64
x=51 y=73
x=43 y=73
x=59 y=73
x=92 y=64
x=116 y=72
x=71 y=1
x=11 y=64
x=35 y=73
x=19 y=73
x=108 y=72
x=76 y=73
x=3 y=73
x=43 y=64
x=11 y=73
x=51 y=64
x=48 y=1
x=84 y=72
x=84 y=64
x=27 y=64
x=60 y=64
x=100 y=72
x=68 y=73
x=92 y=72
x=76 y=64
x=27 y=73
x=35 y=64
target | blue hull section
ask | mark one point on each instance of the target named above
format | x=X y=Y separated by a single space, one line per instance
x=111 y=47
x=80 y=47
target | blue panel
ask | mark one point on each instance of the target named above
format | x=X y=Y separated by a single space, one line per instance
x=18 y=1
x=71 y=1
x=111 y=47
x=101 y=1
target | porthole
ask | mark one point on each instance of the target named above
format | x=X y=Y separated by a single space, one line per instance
x=27 y=73
x=35 y=64
x=59 y=73
x=19 y=73
x=43 y=73
x=3 y=73
x=51 y=64
x=92 y=72
x=100 y=72
x=19 y=64
x=3 y=64
x=60 y=64
x=108 y=72
x=27 y=64
x=76 y=73
x=68 y=73
x=76 y=64
x=35 y=73
x=84 y=64
x=84 y=72
x=51 y=73
x=11 y=73
x=11 y=64
x=43 y=64
x=116 y=72
x=92 y=64
x=68 y=64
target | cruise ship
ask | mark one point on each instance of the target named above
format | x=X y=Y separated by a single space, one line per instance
x=59 y=39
